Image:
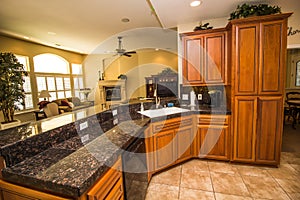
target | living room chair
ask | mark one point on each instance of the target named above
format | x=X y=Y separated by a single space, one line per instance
x=51 y=109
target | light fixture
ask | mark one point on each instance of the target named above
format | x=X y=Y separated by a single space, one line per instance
x=195 y=3
x=44 y=94
x=26 y=37
x=125 y=20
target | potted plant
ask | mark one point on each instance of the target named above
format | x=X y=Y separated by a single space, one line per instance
x=11 y=85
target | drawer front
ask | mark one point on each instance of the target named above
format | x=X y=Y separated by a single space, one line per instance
x=213 y=119
x=172 y=124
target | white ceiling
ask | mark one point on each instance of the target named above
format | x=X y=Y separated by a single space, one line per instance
x=84 y=26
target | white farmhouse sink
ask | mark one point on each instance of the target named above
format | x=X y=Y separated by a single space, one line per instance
x=162 y=112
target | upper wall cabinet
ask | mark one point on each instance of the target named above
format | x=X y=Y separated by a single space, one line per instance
x=259 y=55
x=205 y=57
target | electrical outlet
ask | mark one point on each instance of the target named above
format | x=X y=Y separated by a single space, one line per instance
x=83 y=125
x=199 y=96
x=185 y=97
x=115 y=112
x=85 y=138
x=115 y=121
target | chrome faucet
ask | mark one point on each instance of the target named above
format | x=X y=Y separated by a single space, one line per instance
x=157 y=99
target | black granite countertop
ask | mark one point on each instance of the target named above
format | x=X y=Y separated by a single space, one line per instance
x=71 y=168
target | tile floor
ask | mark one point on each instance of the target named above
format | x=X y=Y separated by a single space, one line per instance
x=216 y=180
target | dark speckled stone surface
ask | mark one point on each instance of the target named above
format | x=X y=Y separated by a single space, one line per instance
x=60 y=161
x=63 y=170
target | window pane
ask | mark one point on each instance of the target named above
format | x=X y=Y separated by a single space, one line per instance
x=60 y=95
x=59 y=83
x=80 y=82
x=76 y=83
x=67 y=83
x=53 y=96
x=26 y=85
x=77 y=93
x=50 y=63
x=68 y=94
x=51 y=84
x=298 y=73
x=76 y=68
x=41 y=83
x=25 y=61
x=28 y=101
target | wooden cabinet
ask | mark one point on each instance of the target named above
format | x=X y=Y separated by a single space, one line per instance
x=258 y=61
x=205 y=57
x=257 y=129
x=259 y=51
x=213 y=137
x=108 y=187
x=170 y=142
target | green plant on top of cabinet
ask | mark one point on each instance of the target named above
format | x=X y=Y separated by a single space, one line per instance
x=205 y=59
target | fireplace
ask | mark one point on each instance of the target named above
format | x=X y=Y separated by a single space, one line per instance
x=111 y=92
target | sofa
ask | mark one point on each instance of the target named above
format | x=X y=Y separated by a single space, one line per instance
x=71 y=104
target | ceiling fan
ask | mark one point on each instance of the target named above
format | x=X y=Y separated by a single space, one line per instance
x=122 y=52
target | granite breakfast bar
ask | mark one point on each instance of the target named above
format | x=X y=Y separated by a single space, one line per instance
x=66 y=155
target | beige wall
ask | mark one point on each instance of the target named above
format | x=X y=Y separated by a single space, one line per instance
x=143 y=64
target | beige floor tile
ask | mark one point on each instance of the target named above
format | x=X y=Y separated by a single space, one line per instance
x=220 y=196
x=229 y=184
x=196 y=180
x=296 y=167
x=195 y=165
x=167 y=177
x=252 y=171
x=284 y=171
x=191 y=194
x=290 y=186
x=222 y=167
x=264 y=187
x=294 y=196
x=160 y=191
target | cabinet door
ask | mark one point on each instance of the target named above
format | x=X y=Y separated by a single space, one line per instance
x=244 y=133
x=245 y=58
x=272 y=57
x=185 y=138
x=164 y=146
x=193 y=60
x=214 y=54
x=214 y=142
x=269 y=129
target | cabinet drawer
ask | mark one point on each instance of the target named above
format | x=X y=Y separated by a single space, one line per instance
x=110 y=185
x=213 y=119
x=172 y=124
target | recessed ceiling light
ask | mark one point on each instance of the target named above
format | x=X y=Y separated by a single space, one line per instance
x=195 y=3
x=26 y=37
x=125 y=20
x=51 y=33
x=157 y=49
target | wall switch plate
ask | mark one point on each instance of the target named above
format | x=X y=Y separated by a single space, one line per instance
x=199 y=96
x=85 y=138
x=185 y=97
x=115 y=121
x=115 y=112
x=83 y=125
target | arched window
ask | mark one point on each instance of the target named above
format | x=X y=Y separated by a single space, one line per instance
x=50 y=63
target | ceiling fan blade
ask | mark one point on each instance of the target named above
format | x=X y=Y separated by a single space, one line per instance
x=125 y=54
x=130 y=52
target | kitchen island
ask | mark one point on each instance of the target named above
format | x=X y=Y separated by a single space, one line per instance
x=66 y=155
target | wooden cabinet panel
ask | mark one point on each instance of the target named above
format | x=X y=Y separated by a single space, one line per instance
x=272 y=58
x=269 y=129
x=205 y=57
x=193 y=60
x=246 y=59
x=185 y=138
x=214 y=142
x=244 y=128
x=164 y=146
x=215 y=58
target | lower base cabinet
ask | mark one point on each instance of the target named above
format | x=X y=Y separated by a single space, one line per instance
x=213 y=137
x=108 y=187
x=169 y=142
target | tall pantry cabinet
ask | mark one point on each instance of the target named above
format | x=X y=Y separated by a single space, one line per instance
x=258 y=77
